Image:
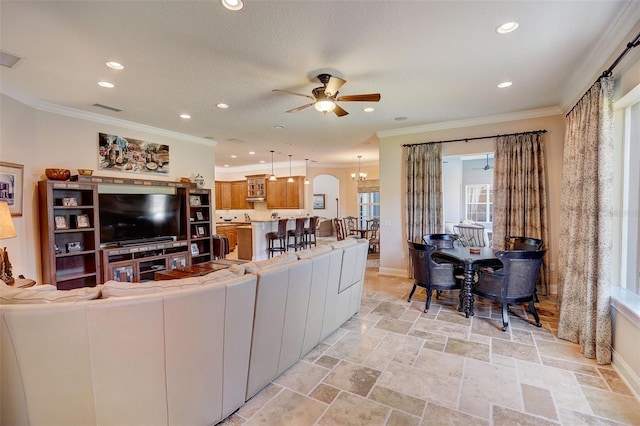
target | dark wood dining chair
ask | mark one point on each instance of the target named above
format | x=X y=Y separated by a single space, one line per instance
x=280 y=236
x=429 y=274
x=297 y=234
x=310 y=232
x=337 y=223
x=373 y=226
x=523 y=243
x=514 y=283
x=350 y=225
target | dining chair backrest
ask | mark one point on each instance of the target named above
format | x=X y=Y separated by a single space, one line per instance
x=440 y=240
x=282 y=228
x=523 y=243
x=337 y=223
x=350 y=225
x=471 y=235
x=373 y=225
x=521 y=270
x=440 y=275
x=417 y=262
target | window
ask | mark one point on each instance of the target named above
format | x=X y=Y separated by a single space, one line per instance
x=368 y=206
x=478 y=203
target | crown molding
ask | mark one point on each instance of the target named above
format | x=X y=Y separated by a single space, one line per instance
x=478 y=121
x=102 y=119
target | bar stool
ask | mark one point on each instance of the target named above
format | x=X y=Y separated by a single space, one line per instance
x=279 y=236
x=310 y=232
x=297 y=234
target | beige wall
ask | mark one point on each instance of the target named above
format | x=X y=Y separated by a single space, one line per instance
x=40 y=140
x=393 y=258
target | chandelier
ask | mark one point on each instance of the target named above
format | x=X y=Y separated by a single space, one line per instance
x=360 y=175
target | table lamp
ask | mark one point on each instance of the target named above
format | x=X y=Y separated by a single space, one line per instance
x=7 y=230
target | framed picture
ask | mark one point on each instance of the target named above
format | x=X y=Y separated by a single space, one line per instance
x=123 y=274
x=178 y=262
x=194 y=200
x=61 y=222
x=75 y=246
x=194 y=249
x=69 y=202
x=318 y=201
x=82 y=221
x=11 y=186
x=199 y=216
x=201 y=231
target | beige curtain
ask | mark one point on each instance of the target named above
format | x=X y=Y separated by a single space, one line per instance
x=585 y=248
x=520 y=194
x=424 y=190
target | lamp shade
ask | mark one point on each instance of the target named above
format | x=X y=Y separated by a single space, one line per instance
x=7 y=230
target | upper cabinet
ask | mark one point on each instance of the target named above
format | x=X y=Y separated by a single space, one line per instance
x=286 y=195
x=239 y=191
x=256 y=186
x=223 y=195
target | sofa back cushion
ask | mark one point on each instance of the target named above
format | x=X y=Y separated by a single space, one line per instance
x=255 y=267
x=11 y=295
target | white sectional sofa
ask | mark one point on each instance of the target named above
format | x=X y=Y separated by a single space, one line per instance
x=178 y=352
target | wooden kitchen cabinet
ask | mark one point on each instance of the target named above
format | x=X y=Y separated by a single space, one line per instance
x=228 y=231
x=286 y=195
x=223 y=195
x=239 y=195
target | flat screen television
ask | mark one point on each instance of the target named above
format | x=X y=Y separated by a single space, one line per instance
x=138 y=218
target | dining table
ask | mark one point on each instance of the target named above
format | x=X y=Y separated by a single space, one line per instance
x=471 y=259
x=363 y=232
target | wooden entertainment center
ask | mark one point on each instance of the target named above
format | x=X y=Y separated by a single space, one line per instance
x=71 y=250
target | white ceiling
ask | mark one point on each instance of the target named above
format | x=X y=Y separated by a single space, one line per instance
x=432 y=61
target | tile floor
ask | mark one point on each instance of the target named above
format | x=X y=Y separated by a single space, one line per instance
x=392 y=364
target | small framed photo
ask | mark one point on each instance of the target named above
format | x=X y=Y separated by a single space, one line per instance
x=199 y=216
x=194 y=200
x=178 y=262
x=123 y=274
x=69 y=202
x=201 y=231
x=74 y=246
x=82 y=221
x=61 y=222
x=194 y=249
x=318 y=201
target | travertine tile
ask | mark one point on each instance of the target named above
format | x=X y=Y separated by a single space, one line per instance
x=493 y=383
x=324 y=393
x=467 y=349
x=393 y=325
x=390 y=310
x=259 y=400
x=353 y=378
x=440 y=327
x=353 y=347
x=570 y=418
x=316 y=352
x=593 y=381
x=614 y=406
x=398 y=418
x=614 y=381
x=515 y=350
x=539 y=402
x=438 y=415
x=398 y=400
x=327 y=361
x=506 y=416
x=474 y=406
x=358 y=325
x=302 y=377
x=290 y=408
x=353 y=410
x=590 y=370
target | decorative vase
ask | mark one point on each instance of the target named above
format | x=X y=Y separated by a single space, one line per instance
x=199 y=180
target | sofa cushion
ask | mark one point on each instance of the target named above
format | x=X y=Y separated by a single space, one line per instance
x=255 y=267
x=11 y=295
x=348 y=242
x=122 y=289
x=221 y=276
x=305 y=254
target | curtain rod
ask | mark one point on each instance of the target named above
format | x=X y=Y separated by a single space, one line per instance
x=478 y=138
x=609 y=71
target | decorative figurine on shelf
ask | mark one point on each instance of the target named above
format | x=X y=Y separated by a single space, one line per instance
x=199 y=180
x=6 y=274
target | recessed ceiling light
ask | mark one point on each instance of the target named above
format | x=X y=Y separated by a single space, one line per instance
x=279 y=127
x=226 y=165
x=262 y=161
x=252 y=153
x=507 y=27
x=234 y=156
x=233 y=4
x=105 y=84
x=222 y=106
x=505 y=84
x=115 y=65
x=400 y=118
x=185 y=116
x=369 y=109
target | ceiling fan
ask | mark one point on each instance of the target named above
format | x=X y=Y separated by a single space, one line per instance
x=486 y=167
x=324 y=98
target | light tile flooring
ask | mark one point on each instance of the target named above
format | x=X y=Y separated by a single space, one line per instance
x=392 y=364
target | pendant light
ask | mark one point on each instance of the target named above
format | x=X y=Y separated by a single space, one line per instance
x=290 y=180
x=273 y=176
x=360 y=175
x=306 y=171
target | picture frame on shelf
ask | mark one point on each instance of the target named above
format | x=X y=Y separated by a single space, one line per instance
x=82 y=221
x=74 y=246
x=61 y=222
x=69 y=202
x=195 y=200
x=201 y=232
x=11 y=178
x=123 y=274
x=199 y=216
x=194 y=249
x=178 y=262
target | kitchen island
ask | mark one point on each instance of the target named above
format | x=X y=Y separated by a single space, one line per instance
x=256 y=238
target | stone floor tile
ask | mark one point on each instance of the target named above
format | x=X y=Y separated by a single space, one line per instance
x=439 y=415
x=395 y=326
x=440 y=327
x=353 y=410
x=410 y=316
x=335 y=336
x=493 y=383
x=353 y=378
x=324 y=393
x=571 y=418
x=390 y=310
x=539 y=402
x=434 y=346
x=353 y=347
x=593 y=381
x=562 y=350
x=514 y=350
x=259 y=400
x=290 y=408
x=327 y=361
x=454 y=318
x=489 y=327
x=590 y=370
x=474 y=406
x=467 y=349
x=302 y=377
x=358 y=325
x=397 y=400
x=522 y=336
x=316 y=352
x=427 y=335
x=615 y=382
x=613 y=406
x=506 y=416
x=398 y=418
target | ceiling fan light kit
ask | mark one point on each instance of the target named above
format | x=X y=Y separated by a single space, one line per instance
x=325 y=98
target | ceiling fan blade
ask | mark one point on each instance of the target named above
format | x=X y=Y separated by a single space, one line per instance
x=372 y=97
x=339 y=111
x=293 y=93
x=334 y=84
x=301 y=107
